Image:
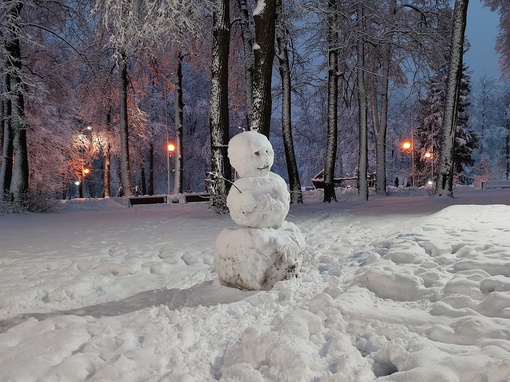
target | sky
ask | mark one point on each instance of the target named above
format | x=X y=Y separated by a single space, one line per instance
x=481 y=31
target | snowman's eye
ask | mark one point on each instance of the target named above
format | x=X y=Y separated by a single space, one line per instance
x=257 y=153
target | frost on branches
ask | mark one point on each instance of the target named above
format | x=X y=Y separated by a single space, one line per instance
x=265 y=248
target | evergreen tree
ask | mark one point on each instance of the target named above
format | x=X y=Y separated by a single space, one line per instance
x=427 y=135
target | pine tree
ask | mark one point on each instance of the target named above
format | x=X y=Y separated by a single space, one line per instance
x=427 y=135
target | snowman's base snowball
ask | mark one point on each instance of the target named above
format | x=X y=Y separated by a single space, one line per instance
x=255 y=259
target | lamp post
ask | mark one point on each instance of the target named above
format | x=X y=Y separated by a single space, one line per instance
x=408 y=146
x=430 y=156
x=84 y=171
x=170 y=150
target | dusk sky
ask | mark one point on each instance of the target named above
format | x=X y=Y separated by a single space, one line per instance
x=481 y=31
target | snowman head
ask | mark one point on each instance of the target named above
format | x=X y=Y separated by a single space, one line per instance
x=251 y=154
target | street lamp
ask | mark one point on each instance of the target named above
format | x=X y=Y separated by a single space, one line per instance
x=170 y=150
x=408 y=146
x=84 y=172
x=430 y=156
x=84 y=142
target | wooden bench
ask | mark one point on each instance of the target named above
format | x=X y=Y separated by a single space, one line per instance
x=318 y=181
x=496 y=184
x=132 y=200
x=192 y=198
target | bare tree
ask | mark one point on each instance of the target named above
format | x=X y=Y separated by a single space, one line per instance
x=380 y=114
x=178 y=126
x=248 y=36
x=282 y=40
x=362 y=104
x=444 y=184
x=332 y=134
x=264 y=16
x=503 y=39
x=218 y=113
x=15 y=112
x=7 y=146
x=140 y=26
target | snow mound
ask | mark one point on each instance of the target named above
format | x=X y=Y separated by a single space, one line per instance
x=91 y=204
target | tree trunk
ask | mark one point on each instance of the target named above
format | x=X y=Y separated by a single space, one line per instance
x=332 y=133
x=19 y=182
x=107 y=157
x=444 y=183
x=507 y=146
x=6 y=169
x=218 y=114
x=179 y=146
x=264 y=17
x=151 y=168
x=381 y=118
x=248 y=36
x=142 y=176
x=296 y=195
x=362 y=104
x=124 y=129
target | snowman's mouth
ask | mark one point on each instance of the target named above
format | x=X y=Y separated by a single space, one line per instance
x=263 y=168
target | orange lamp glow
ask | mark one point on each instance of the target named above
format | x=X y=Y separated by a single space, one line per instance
x=171 y=147
x=406 y=145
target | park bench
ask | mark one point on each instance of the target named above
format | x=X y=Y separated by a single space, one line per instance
x=154 y=199
x=351 y=181
x=496 y=184
x=195 y=197
x=318 y=181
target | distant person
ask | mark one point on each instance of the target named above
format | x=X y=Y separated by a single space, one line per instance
x=137 y=191
x=395 y=183
x=120 y=193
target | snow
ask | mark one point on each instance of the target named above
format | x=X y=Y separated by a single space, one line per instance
x=259 y=198
x=251 y=154
x=399 y=288
x=256 y=259
x=259 y=202
x=261 y=6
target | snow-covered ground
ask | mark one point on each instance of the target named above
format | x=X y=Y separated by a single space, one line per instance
x=401 y=288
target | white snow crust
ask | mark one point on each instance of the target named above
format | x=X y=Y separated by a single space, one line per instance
x=399 y=288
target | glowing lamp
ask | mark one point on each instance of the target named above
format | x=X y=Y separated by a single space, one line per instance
x=406 y=145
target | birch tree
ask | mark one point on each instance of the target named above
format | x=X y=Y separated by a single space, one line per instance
x=444 y=183
x=332 y=128
x=219 y=113
x=282 y=42
x=362 y=105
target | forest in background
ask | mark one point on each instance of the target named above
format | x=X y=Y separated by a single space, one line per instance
x=92 y=93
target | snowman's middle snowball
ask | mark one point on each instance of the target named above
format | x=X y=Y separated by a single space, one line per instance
x=259 y=202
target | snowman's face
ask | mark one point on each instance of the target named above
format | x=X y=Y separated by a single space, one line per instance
x=251 y=154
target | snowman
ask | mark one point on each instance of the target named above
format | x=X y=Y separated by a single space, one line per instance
x=265 y=248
